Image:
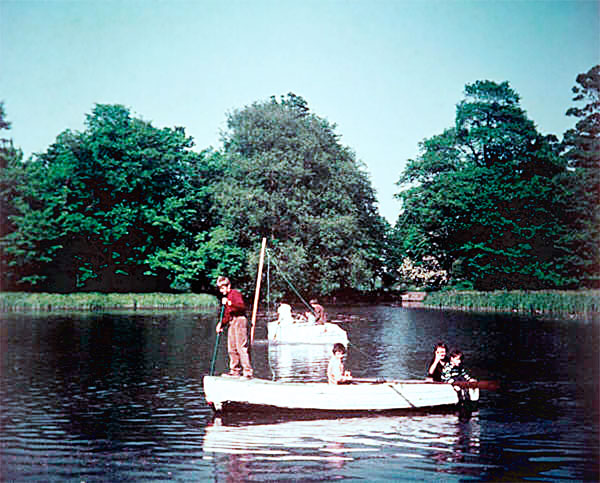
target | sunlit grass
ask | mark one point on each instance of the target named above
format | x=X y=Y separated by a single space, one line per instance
x=531 y=302
x=15 y=301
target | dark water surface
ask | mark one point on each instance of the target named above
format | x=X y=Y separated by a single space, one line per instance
x=118 y=397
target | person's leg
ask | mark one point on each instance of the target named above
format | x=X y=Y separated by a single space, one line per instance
x=242 y=345
x=234 y=357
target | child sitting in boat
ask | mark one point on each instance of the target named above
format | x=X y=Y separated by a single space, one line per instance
x=453 y=370
x=437 y=363
x=318 y=315
x=336 y=374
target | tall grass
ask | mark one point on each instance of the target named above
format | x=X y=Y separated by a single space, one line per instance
x=538 y=302
x=17 y=301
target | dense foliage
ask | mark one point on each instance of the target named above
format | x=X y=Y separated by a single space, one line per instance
x=489 y=203
x=125 y=206
x=289 y=179
x=582 y=150
x=481 y=197
x=11 y=176
x=94 y=209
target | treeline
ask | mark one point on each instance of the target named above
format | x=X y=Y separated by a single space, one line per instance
x=124 y=206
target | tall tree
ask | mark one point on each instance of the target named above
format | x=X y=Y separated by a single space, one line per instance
x=11 y=175
x=581 y=146
x=288 y=178
x=479 y=198
x=97 y=205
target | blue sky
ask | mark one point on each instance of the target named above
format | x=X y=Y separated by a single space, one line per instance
x=388 y=73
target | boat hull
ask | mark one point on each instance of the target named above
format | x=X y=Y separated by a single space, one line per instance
x=223 y=393
x=305 y=333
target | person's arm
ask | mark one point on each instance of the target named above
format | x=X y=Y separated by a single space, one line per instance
x=331 y=373
x=321 y=315
x=433 y=365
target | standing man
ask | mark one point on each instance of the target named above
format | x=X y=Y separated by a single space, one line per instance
x=234 y=316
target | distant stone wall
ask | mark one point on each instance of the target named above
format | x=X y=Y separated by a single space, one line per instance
x=414 y=296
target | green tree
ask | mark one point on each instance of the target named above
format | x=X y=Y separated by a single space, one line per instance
x=98 y=205
x=11 y=175
x=288 y=178
x=581 y=146
x=479 y=199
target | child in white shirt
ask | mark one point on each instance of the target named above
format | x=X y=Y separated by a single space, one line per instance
x=336 y=374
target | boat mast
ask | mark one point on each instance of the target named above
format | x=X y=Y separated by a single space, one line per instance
x=257 y=291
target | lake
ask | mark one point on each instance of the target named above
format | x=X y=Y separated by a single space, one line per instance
x=118 y=397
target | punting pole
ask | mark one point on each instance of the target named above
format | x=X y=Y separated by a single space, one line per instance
x=214 y=357
x=257 y=291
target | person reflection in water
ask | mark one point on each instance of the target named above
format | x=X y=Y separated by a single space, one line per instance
x=437 y=363
x=336 y=374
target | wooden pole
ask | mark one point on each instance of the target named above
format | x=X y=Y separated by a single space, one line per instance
x=257 y=291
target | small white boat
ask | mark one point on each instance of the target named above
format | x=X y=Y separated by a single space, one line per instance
x=306 y=333
x=287 y=329
x=223 y=392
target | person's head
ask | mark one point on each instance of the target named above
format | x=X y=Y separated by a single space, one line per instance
x=339 y=349
x=223 y=285
x=441 y=349
x=456 y=357
x=313 y=302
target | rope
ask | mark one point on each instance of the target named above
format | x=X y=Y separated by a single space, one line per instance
x=400 y=394
x=290 y=284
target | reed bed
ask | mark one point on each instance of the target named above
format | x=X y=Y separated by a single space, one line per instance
x=572 y=302
x=93 y=301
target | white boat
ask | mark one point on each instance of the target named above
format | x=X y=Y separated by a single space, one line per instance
x=288 y=329
x=306 y=333
x=223 y=393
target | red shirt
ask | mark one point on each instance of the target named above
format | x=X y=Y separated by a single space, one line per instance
x=237 y=307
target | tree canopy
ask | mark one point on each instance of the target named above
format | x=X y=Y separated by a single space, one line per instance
x=581 y=148
x=97 y=205
x=480 y=196
x=288 y=178
x=489 y=203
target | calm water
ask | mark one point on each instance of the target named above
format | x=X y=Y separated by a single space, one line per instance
x=118 y=397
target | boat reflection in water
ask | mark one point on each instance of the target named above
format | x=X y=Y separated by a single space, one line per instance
x=436 y=442
x=299 y=362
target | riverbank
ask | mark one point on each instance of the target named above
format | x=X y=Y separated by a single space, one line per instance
x=93 y=301
x=546 y=302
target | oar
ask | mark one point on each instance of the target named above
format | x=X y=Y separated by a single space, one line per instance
x=487 y=385
x=214 y=357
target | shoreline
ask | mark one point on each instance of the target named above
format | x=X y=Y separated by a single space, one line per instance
x=574 y=304
x=95 y=301
x=570 y=304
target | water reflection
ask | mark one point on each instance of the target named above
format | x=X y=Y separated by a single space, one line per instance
x=439 y=442
x=299 y=362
